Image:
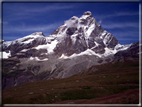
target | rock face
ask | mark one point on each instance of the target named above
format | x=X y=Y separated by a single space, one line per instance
x=130 y=54
x=24 y=43
x=76 y=45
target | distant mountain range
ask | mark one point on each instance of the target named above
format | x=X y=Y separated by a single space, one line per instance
x=76 y=45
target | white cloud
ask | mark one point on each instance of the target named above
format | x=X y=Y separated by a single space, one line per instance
x=21 y=9
x=71 y=23
x=49 y=8
x=124 y=39
x=122 y=14
x=126 y=35
x=120 y=25
x=100 y=21
x=46 y=29
x=39 y=28
x=116 y=14
x=11 y=37
x=3 y=22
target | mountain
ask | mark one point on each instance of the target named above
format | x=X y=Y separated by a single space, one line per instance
x=76 y=45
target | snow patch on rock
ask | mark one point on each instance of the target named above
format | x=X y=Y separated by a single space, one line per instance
x=48 y=46
x=37 y=59
x=5 y=55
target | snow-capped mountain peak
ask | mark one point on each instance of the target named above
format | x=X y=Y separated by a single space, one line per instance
x=24 y=43
x=87 y=13
x=80 y=34
x=37 y=34
x=76 y=45
x=76 y=35
x=25 y=40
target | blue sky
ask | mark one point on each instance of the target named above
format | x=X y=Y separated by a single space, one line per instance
x=22 y=19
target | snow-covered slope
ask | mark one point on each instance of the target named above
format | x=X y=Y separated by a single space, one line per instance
x=25 y=40
x=24 y=43
x=108 y=52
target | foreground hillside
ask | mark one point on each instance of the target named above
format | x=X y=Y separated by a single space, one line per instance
x=108 y=83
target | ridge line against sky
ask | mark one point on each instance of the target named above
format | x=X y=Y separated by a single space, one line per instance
x=20 y=20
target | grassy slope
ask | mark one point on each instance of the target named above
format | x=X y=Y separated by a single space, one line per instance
x=101 y=82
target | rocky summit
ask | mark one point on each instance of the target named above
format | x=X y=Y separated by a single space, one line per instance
x=76 y=45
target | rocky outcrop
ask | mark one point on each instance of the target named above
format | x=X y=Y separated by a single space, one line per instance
x=27 y=42
x=131 y=53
